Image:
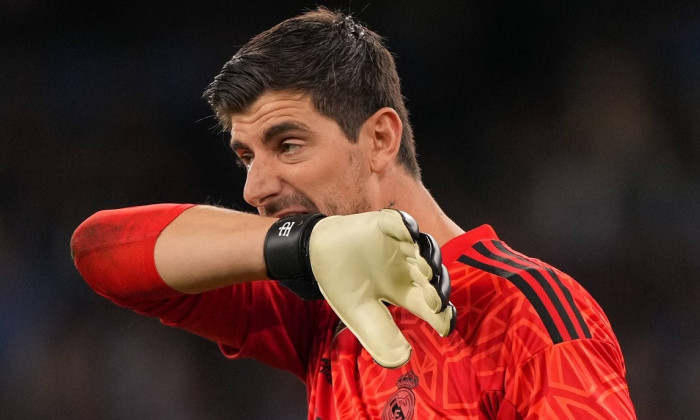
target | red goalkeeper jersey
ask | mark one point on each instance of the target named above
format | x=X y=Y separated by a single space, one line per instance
x=530 y=342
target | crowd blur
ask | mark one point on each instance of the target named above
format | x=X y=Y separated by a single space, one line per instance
x=572 y=128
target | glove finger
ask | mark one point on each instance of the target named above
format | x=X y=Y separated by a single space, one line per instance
x=420 y=291
x=443 y=285
x=440 y=280
x=411 y=225
x=443 y=322
x=422 y=301
x=398 y=225
x=374 y=327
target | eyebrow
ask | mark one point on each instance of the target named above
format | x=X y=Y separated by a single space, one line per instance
x=272 y=132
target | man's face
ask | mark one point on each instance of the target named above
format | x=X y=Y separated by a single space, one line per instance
x=298 y=161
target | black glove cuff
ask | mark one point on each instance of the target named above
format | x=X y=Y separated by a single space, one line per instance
x=286 y=252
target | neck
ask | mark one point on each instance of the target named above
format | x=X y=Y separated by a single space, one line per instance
x=403 y=192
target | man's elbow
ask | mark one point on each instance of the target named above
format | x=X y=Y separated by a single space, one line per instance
x=113 y=251
x=84 y=237
x=94 y=248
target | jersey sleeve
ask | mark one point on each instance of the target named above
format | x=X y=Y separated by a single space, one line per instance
x=113 y=251
x=572 y=380
x=542 y=346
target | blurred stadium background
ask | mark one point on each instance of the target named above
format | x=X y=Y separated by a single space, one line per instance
x=572 y=128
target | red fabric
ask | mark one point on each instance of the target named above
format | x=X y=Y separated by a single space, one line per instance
x=113 y=250
x=502 y=362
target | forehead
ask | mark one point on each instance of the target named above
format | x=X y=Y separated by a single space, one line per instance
x=273 y=105
x=279 y=111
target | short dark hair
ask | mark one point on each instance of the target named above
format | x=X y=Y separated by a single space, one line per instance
x=343 y=66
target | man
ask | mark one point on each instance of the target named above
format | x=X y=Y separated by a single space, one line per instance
x=361 y=307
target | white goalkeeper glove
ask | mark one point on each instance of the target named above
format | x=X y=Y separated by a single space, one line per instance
x=357 y=263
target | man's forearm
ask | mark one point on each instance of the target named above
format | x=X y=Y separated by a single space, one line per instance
x=207 y=247
x=151 y=251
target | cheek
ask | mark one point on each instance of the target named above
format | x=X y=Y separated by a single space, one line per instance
x=336 y=185
x=349 y=172
x=348 y=193
x=344 y=170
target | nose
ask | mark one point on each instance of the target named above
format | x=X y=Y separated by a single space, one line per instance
x=262 y=182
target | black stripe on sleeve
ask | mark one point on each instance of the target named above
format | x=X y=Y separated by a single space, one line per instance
x=565 y=290
x=525 y=288
x=537 y=275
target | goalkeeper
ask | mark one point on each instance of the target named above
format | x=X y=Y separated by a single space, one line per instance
x=352 y=277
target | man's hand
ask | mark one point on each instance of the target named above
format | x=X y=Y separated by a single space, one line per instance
x=361 y=261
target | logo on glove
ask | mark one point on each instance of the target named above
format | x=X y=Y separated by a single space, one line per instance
x=286 y=228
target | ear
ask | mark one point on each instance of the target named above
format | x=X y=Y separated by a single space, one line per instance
x=382 y=134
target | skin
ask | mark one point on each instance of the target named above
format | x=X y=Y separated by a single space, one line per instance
x=297 y=161
x=287 y=148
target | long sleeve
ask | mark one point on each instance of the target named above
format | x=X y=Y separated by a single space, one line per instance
x=113 y=251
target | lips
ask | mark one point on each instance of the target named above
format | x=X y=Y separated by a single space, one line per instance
x=290 y=212
x=285 y=206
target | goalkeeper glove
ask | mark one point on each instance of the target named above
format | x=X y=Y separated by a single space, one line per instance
x=357 y=263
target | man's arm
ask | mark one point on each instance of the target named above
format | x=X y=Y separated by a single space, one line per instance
x=356 y=262
x=150 y=250
x=114 y=251
x=207 y=247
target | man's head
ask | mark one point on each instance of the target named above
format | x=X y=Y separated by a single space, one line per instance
x=342 y=66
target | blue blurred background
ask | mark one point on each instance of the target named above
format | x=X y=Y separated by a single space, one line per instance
x=572 y=128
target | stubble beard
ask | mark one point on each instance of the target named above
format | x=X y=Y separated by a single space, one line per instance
x=335 y=202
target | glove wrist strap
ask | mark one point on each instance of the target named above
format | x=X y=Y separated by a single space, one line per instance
x=286 y=252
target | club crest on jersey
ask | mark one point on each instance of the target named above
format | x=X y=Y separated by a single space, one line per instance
x=402 y=403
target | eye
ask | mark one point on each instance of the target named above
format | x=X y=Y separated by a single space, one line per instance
x=289 y=148
x=245 y=158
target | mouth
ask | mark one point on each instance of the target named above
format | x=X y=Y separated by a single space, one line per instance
x=287 y=206
x=289 y=212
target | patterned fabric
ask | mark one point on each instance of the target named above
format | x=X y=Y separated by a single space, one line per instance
x=530 y=343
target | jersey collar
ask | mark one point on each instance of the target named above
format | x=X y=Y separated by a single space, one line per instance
x=456 y=246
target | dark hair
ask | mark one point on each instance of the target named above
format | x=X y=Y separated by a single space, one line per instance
x=343 y=66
